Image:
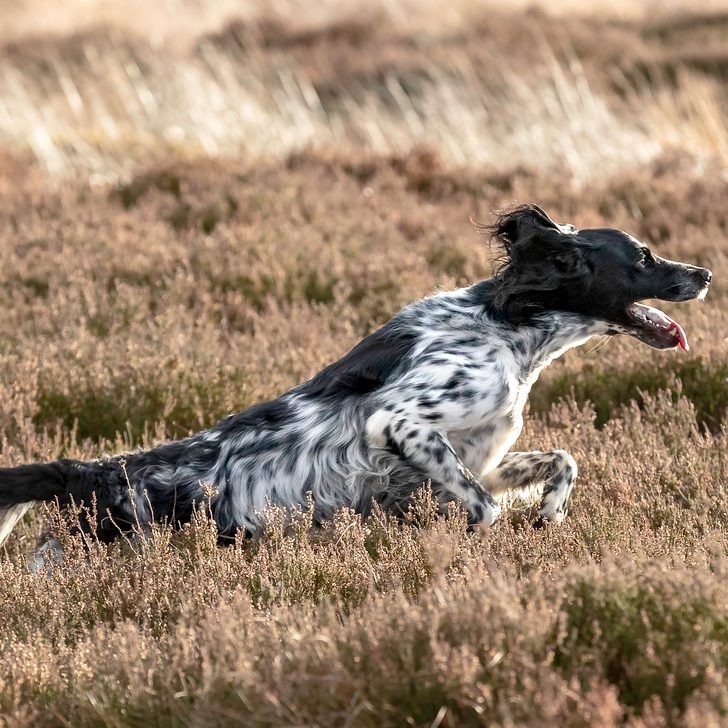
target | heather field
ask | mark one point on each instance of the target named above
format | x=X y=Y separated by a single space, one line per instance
x=203 y=203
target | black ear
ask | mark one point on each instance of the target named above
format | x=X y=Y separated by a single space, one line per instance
x=541 y=260
x=522 y=223
x=538 y=250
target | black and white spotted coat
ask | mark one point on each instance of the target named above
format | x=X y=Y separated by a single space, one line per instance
x=436 y=395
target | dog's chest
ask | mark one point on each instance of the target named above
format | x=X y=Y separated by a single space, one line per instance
x=482 y=445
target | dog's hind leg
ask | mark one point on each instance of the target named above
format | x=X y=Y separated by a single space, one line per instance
x=554 y=472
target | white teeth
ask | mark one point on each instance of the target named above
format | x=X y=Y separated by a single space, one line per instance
x=658 y=318
x=652 y=316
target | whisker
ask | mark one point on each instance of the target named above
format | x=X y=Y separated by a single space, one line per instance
x=600 y=344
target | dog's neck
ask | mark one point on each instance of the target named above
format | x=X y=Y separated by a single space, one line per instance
x=535 y=344
x=552 y=334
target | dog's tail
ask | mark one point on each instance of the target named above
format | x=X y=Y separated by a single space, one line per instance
x=22 y=486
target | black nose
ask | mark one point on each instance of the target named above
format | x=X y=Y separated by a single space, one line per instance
x=706 y=275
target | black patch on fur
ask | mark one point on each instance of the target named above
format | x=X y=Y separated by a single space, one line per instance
x=265 y=415
x=456 y=379
x=367 y=367
x=392 y=444
x=34 y=482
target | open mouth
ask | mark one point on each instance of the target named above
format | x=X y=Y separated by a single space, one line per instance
x=656 y=328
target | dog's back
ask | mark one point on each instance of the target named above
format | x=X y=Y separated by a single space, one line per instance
x=309 y=439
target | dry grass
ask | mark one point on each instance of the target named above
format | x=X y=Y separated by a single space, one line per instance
x=149 y=287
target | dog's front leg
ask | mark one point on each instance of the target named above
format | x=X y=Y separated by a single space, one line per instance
x=428 y=451
x=554 y=471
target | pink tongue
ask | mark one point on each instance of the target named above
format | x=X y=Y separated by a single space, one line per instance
x=682 y=339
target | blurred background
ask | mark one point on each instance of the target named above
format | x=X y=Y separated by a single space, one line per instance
x=585 y=88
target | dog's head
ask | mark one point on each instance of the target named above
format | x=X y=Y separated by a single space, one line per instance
x=600 y=273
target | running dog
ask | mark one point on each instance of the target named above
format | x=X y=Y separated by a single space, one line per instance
x=434 y=396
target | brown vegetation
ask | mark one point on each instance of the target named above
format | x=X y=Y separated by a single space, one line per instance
x=149 y=288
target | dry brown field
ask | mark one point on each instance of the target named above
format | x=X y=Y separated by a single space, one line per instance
x=203 y=203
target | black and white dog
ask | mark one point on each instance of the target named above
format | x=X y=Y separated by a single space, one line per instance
x=436 y=395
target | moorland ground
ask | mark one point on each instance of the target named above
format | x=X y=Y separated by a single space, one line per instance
x=196 y=218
